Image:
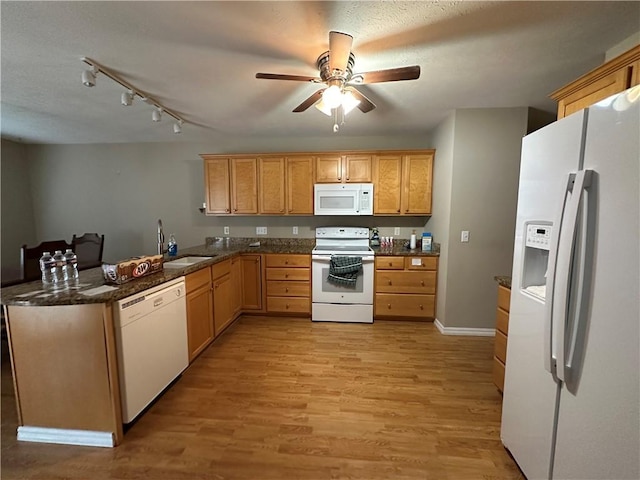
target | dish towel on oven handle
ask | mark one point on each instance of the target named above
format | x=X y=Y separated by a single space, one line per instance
x=344 y=270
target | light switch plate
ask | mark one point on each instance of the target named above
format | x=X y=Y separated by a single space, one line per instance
x=464 y=236
x=295 y=230
x=396 y=231
x=261 y=230
x=226 y=230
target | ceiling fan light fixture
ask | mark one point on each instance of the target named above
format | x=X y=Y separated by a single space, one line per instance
x=332 y=96
x=349 y=102
x=323 y=108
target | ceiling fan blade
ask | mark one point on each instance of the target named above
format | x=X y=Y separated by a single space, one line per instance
x=365 y=104
x=297 y=78
x=309 y=101
x=389 y=75
x=339 y=50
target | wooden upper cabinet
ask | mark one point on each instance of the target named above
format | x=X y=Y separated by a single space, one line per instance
x=350 y=168
x=610 y=78
x=357 y=168
x=329 y=169
x=417 y=184
x=299 y=184
x=402 y=183
x=244 y=186
x=271 y=177
x=217 y=185
x=387 y=178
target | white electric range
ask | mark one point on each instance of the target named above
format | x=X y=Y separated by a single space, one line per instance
x=342 y=275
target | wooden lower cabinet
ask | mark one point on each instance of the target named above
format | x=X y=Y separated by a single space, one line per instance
x=502 y=333
x=236 y=281
x=405 y=287
x=199 y=311
x=223 y=313
x=251 y=266
x=288 y=284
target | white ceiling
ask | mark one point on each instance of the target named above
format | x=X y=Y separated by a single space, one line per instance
x=199 y=59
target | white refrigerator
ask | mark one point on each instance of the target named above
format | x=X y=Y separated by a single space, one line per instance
x=572 y=381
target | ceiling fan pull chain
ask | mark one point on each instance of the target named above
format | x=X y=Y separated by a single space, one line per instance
x=335 y=121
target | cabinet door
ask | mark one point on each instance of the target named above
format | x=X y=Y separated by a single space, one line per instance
x=417 y=180
x=329 y=169
x=387 y=177
x=251 y=282
x=216 y=174
x=594 y=92
x=635 y=73
x=357 y=168
x=271 y=176
x=244 y=186
x=199 y=320
x=300 y=181
x=236 y=281
x=222 y=309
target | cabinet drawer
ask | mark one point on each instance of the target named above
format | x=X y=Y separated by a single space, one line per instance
x=195 y=280
x=276 y=288
x=500 y=347
x=299 y=274
x=389 y=263
x=421 y=263
x=288 y=260
x=220 y=269
x=498 y=373
x=504 y=298
x=289 y=304
x=502 y=321
x=405 y=305
x=388 y=281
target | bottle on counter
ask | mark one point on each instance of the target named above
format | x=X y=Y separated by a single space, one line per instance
x=375 y=237
x=412 y=241
x=46 y=268
x=57 y=269
x=172 y=248
x=70 y=265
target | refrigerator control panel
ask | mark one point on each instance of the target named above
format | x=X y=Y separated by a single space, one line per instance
x=538 y=236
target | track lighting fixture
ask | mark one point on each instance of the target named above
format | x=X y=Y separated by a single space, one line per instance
x=89 y=79
x=126 y=98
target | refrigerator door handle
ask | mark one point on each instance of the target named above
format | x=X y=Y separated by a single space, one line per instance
x=563 y=273
x=550 y=325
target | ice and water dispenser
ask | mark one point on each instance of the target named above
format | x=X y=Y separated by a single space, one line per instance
x=536 y=258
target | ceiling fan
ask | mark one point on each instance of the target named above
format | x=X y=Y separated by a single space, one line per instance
x=336 y=72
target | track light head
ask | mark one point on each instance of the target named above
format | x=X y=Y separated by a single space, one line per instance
x=126 y=98
x=177 y=127
x=89 y=77
x=156 y=115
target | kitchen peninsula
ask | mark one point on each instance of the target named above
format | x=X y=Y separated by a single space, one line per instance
x=64 y=348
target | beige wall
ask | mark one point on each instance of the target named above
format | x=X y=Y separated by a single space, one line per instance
x=18 y=225
x=484 y=188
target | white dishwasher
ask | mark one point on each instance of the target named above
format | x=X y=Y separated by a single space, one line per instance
x=151 y=335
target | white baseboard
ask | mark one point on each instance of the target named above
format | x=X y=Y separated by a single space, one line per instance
x=474 y=332
x=68 y=437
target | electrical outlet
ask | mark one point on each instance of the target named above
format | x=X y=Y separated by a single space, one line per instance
x=396 y=231
x=464 y=236
x=261 y=230
x=295 y=230
x=226 y=230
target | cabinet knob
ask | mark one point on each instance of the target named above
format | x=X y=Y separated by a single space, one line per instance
x=347 y=179
x=235 y=209
x=407 y=210
x=422 y=282
x=286 y=290
x=286 y=275
x=398 y=210
x=286 y=262
x=226 y=210
x=421 y=307
x=287 y=306
x=390 y=264
x=389 y=282
x=389 y=306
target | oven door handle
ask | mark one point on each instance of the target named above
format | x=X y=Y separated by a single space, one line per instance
x=327 y=258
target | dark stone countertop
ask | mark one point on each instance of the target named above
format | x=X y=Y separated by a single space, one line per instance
x=219 y=251
x=503 y=280
x=400 y=250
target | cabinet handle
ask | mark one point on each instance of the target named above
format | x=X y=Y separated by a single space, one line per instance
x=286 y=290
x=235 y=209
x=390 y=264
x=287 y=306
x=215 y=285
x=226 y=210
x=389 y=282
x=421 y=308
x=339 y=178
x=286 y=275
x=422 y=282
x=398 y=210
x=389 y=306
x=286 y=262
x=347 y=179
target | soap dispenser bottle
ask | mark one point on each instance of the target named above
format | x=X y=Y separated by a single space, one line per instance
x=172 y=248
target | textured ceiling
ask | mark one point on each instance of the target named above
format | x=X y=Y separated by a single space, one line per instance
x=200 y=58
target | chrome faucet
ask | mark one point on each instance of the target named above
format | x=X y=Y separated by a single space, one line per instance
x=161 y=249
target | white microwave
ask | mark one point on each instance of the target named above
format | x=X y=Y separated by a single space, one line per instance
x=343 y=198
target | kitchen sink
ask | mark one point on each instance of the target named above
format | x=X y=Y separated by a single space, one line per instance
x=185 y=262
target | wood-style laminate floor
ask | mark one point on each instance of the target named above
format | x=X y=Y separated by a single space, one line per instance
x=281 y=398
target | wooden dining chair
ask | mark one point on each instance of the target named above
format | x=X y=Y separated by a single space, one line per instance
x=30 y=257
x=88 y=248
